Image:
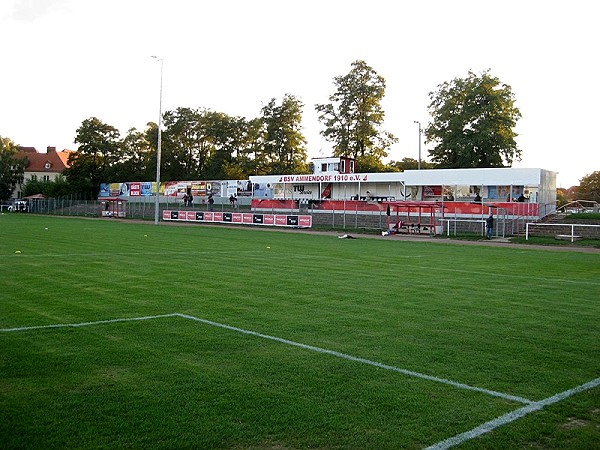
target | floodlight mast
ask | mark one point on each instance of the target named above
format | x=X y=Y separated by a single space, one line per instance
x=158 y=145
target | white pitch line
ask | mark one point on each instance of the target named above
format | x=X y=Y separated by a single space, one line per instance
x=85 y=324
x=531 y=406
x=511 y=416
x=362 y=360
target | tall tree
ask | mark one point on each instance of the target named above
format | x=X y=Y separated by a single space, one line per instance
x=251 y=159
x=11 y=168
x=353 y=118
x=186 y=144
x=98 y=154
x=227 y=135
x=138 y=160
x=589 y=187
x=284 y=145
x=472 y=123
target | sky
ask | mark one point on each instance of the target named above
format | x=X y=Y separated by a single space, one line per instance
x=64 y=61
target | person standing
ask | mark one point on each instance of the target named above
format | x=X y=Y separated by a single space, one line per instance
x=211 y=202
x=489 y=226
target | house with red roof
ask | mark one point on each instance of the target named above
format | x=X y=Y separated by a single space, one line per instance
x=42 y=166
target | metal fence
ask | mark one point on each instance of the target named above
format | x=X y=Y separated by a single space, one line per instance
x=143 y=208
x=567 y=231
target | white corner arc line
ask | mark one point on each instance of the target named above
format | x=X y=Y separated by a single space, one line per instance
x=362 y=360
x=85 y=324
x=511 y=416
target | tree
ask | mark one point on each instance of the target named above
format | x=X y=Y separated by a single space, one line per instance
x=251 y=158
x=562 y=197
x=11 y=168
x=589 y=187
x=284 y=145
x=138 y=160
x=186 y=146
x=55 y=188
x=409 y=164
x=98 y=155
x=353 y=118
x=472 y=123
x=228 y=137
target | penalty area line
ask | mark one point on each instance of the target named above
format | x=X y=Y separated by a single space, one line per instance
x=287 y=342
x=512 y=416
x=86 y=324
x=362 y=360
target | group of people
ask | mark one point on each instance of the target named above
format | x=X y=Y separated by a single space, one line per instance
x=188 y=200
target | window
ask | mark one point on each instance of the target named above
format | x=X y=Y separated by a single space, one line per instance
x=48 y=165
x=351 y=166
x=336 y=166
x=324 y=167
x=46 y=177
x=343 y=166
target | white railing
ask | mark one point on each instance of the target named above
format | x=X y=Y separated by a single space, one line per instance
x=572 y=236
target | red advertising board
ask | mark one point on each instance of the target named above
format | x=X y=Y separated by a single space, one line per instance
x=237 y=217
x=135 y=189
x=305 y=221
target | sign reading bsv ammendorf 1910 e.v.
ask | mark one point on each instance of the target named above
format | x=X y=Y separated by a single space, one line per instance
x=280 y=220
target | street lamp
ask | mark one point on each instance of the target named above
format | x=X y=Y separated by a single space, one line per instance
x=158 y=145
x=419 y=123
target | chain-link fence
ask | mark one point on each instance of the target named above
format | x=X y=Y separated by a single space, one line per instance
x=366 y=221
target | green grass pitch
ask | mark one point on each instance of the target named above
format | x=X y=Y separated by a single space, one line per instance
x=129 y=335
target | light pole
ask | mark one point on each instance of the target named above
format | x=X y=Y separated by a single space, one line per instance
x=158 y=145
x=419 y=123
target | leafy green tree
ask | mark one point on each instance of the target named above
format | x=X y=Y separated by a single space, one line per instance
x=55 y=188
x=11 y=168
x=284 y=145
x=250 y=158
x=472 y=123
x=370 y=164
x=561 y=197
x=589 y=187
x=138 y=156
x=353 y=118
x=186 y=145
x=95 y=161
x=409 y=164
x=228 y=137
